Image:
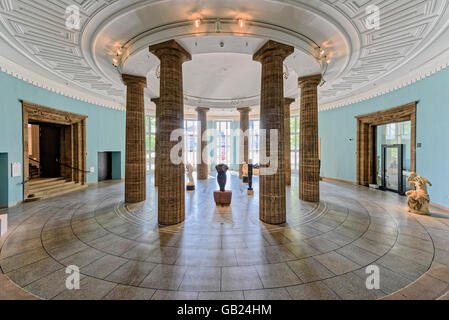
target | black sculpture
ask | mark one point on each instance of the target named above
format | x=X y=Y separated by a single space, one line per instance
x=250 y=177
x=222 y=169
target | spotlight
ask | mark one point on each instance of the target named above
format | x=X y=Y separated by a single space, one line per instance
x=241 y=23
x=119 y=52
x=115 y=62
x=322 y=52
x=197 y=23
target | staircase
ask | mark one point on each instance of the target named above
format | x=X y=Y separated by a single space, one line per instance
x=34 y=171
x=45 y=188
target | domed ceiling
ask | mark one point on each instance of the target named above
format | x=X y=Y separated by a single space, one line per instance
x=357 y=61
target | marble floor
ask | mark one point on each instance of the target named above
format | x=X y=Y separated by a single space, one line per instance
x=322 y=252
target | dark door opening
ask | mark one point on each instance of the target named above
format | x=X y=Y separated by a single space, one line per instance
x=50 y=150
x=392 y=168
x=104 y=166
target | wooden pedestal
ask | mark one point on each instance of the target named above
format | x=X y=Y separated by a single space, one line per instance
x=223 y=198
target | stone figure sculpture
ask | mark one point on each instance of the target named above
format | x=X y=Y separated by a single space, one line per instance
x=222 y=197
x=222 y=169
x=418 y=200
x=191 y=183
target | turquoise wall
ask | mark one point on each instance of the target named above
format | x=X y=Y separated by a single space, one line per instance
x=432 y=159
x=105 y=127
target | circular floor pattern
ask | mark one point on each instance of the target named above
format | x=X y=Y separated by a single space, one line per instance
x=218 y=253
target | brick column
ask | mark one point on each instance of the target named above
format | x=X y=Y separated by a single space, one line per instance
x=244 y=126
x=309 y=163
x=156 y=160
x=202 y=167
x=171 y=187
x=135 y=166
x=288 y=148
x=272 y=203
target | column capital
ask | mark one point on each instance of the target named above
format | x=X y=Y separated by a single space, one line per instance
x=273 y=48
x=244 y=110
x=201 y=109
x=288 y=101
x=310 y=81
x=156 y=100
x=130 y=80
x=170 y=47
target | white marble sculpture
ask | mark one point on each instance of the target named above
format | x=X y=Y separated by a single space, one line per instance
x=418 y=200
x=245 y=169
x=3 y=224
x=191 y=184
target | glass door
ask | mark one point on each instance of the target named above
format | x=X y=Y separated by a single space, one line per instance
x=392 y=167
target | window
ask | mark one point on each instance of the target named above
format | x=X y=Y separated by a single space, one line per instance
x=294 y=143
x=254 y=148
x=191 y=142
x=223 y=143
x=150 y=145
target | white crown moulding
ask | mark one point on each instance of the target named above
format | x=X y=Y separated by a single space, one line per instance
x=428 y=69
x=37 y=80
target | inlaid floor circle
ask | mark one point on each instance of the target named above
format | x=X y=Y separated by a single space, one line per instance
x=322 y=252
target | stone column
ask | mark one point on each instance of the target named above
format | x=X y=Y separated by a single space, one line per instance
x=288 y=147
x=244 y=126
x=309 y=162
x=171 y=186
x=202 y=167
x=135 y=163
x=156 y=160
x=272 y=203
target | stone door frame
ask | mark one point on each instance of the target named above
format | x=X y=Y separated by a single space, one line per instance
x=73 y=141
x=367 y=135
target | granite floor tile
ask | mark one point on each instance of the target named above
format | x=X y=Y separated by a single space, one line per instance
x=104 y=266
x=310 y=269
x=240 y=278
x=312 y=291
x=277 y=275
x=165 y=277
x=201 y=279
x=122 y=292
x=267 y=294
x=337 y=263
x=90 y=289
x=131 y=273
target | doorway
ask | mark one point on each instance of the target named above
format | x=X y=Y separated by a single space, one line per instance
x=368 y=140
x=49 y=150
x=392 y=168
x=4 y=180
x=62 y=144
x=104 y=166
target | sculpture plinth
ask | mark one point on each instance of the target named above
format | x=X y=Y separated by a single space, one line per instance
x=223 y=198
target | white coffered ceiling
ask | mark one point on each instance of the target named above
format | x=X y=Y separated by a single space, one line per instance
x=412 y=42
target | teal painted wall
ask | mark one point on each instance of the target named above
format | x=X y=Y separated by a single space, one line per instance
x=105 y=127
x=432 y=160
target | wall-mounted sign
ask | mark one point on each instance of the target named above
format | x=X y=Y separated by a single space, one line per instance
x=16 y=169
